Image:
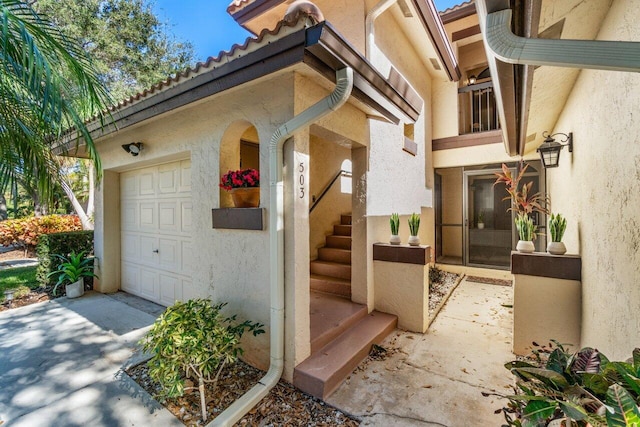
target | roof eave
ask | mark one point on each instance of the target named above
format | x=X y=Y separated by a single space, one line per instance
x=320 y=47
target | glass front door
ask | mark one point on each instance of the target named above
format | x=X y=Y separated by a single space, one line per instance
x=489 y=230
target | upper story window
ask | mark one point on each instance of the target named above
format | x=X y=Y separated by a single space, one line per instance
x=477 y=104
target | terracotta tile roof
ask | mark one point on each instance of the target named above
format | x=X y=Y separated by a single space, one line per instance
x=266 y=36
x=442 y=12
x=236 y=5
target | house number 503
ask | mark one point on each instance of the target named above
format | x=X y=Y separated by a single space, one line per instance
x=301 y=180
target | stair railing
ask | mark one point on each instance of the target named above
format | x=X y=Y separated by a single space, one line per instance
x=341 y=173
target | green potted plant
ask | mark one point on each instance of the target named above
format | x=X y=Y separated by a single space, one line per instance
x=244 y=186
x=481 y=219
x=526 y=232
x=414 y=225
x=557 y=227
x=394 y=222
x=71 y=273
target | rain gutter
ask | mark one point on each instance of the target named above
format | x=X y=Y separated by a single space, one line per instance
x=340 y=95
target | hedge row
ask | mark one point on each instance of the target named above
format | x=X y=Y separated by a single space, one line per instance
x=60 y=244
x=24 y=232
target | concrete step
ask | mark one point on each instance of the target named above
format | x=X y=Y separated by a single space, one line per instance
x=322 y=373
x=335 y=255
x=340 y=242
x=345 y=219
x=330 y=317
x=331 y=269
x=342 y=230
x=331 y=285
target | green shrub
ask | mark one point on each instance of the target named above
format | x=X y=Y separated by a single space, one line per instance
x=194 y=340
x=583 y=389
x=25 y=232
x=62 y=244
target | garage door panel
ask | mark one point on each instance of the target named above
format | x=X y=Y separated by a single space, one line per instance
x=156 y=227
x=168 y=179
x=147 y=183
x=130 y=247
x=169 y=254
x=170 y=289
x=187 y=257
x=186 y=219
x=129 y=215
x=168 y=216
x=148 y=248
x=148 y=218
x=185 y=176
x=130 y=278
x=149 y=284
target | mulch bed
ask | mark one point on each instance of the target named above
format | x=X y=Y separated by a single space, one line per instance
x=283 y=406
x=34 y=296
x=489 y=281
x=14 y=254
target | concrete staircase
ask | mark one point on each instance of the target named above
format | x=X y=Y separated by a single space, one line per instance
x=331 y=272
x=342 y=332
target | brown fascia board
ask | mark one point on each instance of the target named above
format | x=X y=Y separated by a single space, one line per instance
x=257 y=8
x=460 y=13
x=433 y=25
x=320 y=47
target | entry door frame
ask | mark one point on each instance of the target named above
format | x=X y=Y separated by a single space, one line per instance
x=466 y=220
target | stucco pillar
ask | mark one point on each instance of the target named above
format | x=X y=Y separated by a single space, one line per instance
x=296 y=252
x=361 y=247
x=107 y=234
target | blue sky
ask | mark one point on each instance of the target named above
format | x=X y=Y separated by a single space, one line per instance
x=206 y=24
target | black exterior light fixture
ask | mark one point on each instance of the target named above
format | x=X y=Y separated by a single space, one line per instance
x=133 y=148
x=550 y=148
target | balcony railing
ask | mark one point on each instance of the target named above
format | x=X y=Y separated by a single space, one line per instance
x=478 y=112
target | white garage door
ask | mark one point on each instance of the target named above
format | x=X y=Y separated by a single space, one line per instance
x=156 y=232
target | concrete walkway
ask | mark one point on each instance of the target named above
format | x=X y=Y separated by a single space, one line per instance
x=436 y=379
x=60 y=364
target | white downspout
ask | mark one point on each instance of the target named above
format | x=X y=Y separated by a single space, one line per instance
x=373 y=14
x=594 y=54
x=340 y=95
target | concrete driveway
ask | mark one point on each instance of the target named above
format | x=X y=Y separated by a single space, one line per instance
x=60 y=364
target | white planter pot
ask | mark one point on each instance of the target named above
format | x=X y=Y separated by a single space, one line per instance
x=75 y=289
x=556 y=248
x=395 y=239
x=480 y=225
x=525 y=246
x=414 y=241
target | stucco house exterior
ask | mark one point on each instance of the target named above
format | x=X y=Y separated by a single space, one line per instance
x=420 y=111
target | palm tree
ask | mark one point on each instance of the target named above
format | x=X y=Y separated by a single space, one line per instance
x=47 y=88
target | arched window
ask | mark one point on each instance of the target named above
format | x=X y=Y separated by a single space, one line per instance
x=239 y=149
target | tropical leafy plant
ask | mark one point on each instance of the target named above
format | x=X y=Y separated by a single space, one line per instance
x=526 y=228
x=194 y=340
x=523 y=200
x=73 y=268
x=414 y=224
x=557 y=227
x=47 y=86
x=394 y=221
x=582 y=389
x=25 y=232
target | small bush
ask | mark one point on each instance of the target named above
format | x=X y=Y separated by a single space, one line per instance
x=61 y=244
x=435 y=275
x=194 y=340
x=25 y=232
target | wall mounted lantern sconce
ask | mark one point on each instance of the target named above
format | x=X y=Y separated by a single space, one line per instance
x=133 y=148
x=550 y=148
x=472 y=79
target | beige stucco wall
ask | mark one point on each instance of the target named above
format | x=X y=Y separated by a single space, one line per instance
x=543 y=309
x=597 y=189
x=229 y=265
